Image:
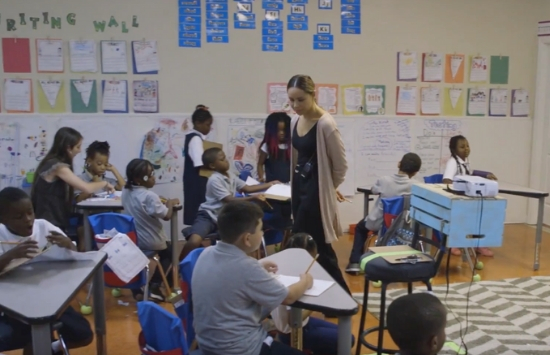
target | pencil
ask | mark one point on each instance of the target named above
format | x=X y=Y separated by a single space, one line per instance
x=345 y=199
x=10 y=243
x=268 y=205
x=312 y=262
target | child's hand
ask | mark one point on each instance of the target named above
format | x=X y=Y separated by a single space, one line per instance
x=270 y=266
x=491 y=176
x=25 y=249
x=175 y=201
x=260 y=197
x=109 y=188
x=262 y=180
x=339 y=196
x=60 y=240
x=308 y=279
x=274 y=182
x=110 y=167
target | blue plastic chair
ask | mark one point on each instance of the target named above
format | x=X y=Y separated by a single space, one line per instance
x=185 y=312
x=433 y=179
x=162 y=331
x=392 y=207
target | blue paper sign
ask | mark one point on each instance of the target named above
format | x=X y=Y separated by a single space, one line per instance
x=272 y=32
x=189 y=3
x=194 y=11
x=320 y=46
x=272 y=35
x=323 y=40
x=193 y=43
x=297 y=26
x=244 y=25
x=216 y=6
x=296 y=1
x=267 y=47
x=272 y=5
x=217 y=21
x=189 y=23
x=350 y=12
x=323 y=28
x=272 y=24
x=217 y=39
x=217 y=15
x=217 y=31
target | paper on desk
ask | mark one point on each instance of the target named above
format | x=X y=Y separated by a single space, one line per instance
x=250 y=181
x=319 y=286
x=280 y=190
x=124 y=257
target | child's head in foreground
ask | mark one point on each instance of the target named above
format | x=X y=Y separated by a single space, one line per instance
x=202 y=119
x=303 y=241
x=416 y=323
x=140 y=172
x=97 y=158
x=410 y=164
x=240 y=224
x=215 y=159
x=16 y=211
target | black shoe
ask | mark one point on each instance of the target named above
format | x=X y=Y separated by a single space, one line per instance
x=138 y=294
x=155 y=293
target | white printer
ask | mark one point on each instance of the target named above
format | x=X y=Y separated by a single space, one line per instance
x=475 y=186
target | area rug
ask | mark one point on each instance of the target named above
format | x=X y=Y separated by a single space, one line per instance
x=506 y=317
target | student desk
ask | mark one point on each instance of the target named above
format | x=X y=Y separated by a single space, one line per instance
x=503 y=188
x=88 y=206
x=38 y=293
x=293 y=262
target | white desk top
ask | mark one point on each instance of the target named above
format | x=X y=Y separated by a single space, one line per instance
x=506 y=187
x=293 y=262
x=100 y=203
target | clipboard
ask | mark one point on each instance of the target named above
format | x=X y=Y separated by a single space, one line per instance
x=204 y=172
x=401 y=259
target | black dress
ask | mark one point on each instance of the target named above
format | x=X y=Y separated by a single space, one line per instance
x=194 y=185
x=306 y=207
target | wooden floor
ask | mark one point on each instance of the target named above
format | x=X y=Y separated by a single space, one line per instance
x=514 y=259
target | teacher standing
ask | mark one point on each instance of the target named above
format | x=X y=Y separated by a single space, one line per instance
x=319 y=168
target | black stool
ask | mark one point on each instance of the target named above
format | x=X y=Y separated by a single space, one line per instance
x=378 y=269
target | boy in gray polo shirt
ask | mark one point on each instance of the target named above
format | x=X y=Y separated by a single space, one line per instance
x=220 y=189
x=230 y=301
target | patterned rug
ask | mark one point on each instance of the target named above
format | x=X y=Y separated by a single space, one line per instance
x=506 y=317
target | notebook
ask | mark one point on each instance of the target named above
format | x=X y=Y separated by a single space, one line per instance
x=319 y=286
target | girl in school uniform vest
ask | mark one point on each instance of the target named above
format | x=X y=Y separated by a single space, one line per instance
x=458 y=164
x=274 y=164
x=194 y=185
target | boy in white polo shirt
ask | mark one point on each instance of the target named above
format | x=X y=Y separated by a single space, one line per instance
x=220 y=189
x=231 y=300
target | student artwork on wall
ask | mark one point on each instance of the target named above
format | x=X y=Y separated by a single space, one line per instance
x=18 y=96
x=406 y=100
x=115 y=96
x=407 y=66
x=454 y=68
x=453 y=102
x=498 y=102
x=327 y=97
x=113 y=57
x=51 y=96
x=432 y=67
x=478 y=69
x=16 y=55
x=375 y=99
x=477 y=102
x=146 y=96
x=430 y=101
x=277 y=98
x=83 y=96
x=520 y=103
x=243 y=142
x=49 y=55
x=145 y=59
x=83 y=56
x=352 y=96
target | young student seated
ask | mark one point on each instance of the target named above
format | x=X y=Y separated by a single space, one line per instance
x=387 y=186
x=233 y=293
x=220 y=189
x=19 y=225
x=96 y=166
x=147 y=209
x=416 y=323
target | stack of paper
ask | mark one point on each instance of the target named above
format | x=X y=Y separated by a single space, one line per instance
x=319 y=286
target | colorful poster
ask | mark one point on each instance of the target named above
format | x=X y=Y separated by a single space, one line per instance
x=453 y=102
x=327 y=97
x=454 y=68
x=477 y=102
x=478 y=69
x=244 y=136
x=375 y=99
x=352 y=96
x=432 y=67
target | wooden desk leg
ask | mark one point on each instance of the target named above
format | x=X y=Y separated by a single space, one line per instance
x=87 y=231
x=296 y=326
x=344 y=335
x=99 y=312
x=175 y=255
x=41 y=339
x=538 y=235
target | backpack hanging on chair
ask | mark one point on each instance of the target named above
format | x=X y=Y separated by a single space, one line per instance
x=400 y=230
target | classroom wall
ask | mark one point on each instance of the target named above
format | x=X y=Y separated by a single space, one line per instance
x=231 y=78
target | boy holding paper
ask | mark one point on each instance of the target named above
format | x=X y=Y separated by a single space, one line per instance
x=220 y=189
x=23 y=236
x=230 y=304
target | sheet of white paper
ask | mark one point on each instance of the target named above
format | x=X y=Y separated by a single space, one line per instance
x=431 y=102
x=406 y=102
x=50 y=55
x=145 y=95
x=353 y=99
x=51 y=90
x=83 y=56
x=114 y=96
x=84 y=87
x=146 y=56
x=477 y=102
x=250 y=181
x=56 y=253
x=278 y=98
x=455 y=95
x=319 y=286
x=456 y=62
x=520 y=103
x=327 y=98
x=374 y=100
x=498 y=102
x=408 y=66
x=113 y=57
x=280 y=190
x=17 y=95
x=433 y=67
x=478 y=70
x=124 y=257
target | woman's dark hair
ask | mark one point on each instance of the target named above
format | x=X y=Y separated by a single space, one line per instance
x=410 y=163
x=271 y=138
x=97 y=147
x=201 y=114
x=10 y=195
x=302 y=82
x=65 y=138
x=453 y=146
x=302 y=241
x=137 y=169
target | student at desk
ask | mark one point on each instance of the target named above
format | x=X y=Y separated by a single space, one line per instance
x=54 y=181
x=21 y=235
x=458 y=164
x=233 y=293
x=220 y=189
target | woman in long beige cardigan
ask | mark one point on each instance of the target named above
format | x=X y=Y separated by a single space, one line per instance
x=320 y=166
